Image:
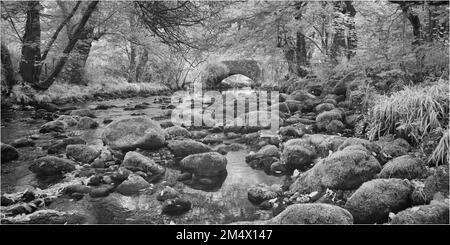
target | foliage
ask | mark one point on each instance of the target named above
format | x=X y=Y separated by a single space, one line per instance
x=440 y=154
x=174 y=51
x=411 y=113
x=100 y=84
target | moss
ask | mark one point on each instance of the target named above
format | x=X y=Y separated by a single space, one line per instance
x=403 y=167
x=314 y=213
x=375 y=199
x=347 y=169
x=298 y=157
x=324 y=118
x=357 y=141
x=425 y=214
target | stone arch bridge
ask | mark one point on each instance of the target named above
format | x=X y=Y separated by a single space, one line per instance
x=214 y=73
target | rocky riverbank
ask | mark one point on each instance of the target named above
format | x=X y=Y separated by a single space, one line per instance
x=125 y=162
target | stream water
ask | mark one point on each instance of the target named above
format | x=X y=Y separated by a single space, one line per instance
x=227 y=204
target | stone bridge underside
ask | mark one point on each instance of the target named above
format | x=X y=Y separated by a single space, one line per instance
x=214 y=73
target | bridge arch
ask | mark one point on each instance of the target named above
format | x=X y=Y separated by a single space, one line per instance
x=216 y=72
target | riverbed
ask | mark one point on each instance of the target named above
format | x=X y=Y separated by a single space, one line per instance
x=229 y=203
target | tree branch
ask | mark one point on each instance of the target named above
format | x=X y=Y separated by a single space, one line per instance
x=55 y=35
x=76 y=35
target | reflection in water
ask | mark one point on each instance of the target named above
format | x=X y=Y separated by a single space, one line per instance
x=230 y=203
x=206 y=183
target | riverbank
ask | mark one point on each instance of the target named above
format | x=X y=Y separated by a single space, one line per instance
x=96 y=90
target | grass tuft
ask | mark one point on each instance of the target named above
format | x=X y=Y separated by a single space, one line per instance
x=440 y=154
x=411 y=113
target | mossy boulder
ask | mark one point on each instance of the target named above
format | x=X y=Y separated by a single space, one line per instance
x=347 y=169
x=436 y=213
x=183 y=148
x=176 y=132
x=404 y=167
x=326 y=117
x=205 y=164
x=82 y=153
x=50 y=165
x=313 y=213
x=371 y=146
x=298 y=156
x=375 y=199
x=131 y=133
x=8 y=153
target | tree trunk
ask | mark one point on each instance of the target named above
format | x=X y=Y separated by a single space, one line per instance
x=344 y=39
x=9 y=79
x=143 y=59
x=73 y=71
x=84 y=46
x=301 y=55
x=289 y=54
x=133 y=49
x=31 y=51
x=132 y=66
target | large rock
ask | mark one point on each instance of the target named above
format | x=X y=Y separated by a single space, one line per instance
x=205 y=164
x=82 y=153
x=60 y=146
x=324 y=107
x=50 y=165
x=9 y=153
x=298 y=156
x=371 y=146
x=135 y=161
x=87 y=123
x=264 y=158
x=260 y=193
x=335 y=127
x=404 y=167
x=375 y=199
x=176 y=132
x=291 y=131
x=436 y=213
x=347 y=169
x=325 y=144
x=313 y=213
x=71 y=121
x=212 y=139
x=132 y=185
x=393 y=149
x=53 y=126
x=437 y=183
x=326 y=117
x=131 y=133
x=308 y=101
x=308 y=182
x=183 y=148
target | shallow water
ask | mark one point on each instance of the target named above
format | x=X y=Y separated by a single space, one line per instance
x=227 y=204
